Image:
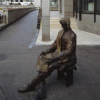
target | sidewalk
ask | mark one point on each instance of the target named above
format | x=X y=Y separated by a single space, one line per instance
x=83 y=38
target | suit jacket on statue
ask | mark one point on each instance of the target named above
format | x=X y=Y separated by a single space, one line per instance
x=65 y=44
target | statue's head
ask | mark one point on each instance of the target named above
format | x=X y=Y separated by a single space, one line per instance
x=65 y=22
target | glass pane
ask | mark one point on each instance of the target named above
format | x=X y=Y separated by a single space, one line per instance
x=87 y=6
x=98 y=6
x=54 y=3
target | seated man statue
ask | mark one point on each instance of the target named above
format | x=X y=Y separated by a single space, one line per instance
x=65 y=44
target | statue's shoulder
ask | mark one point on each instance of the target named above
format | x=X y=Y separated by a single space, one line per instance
x=73 y=35
x=60 y=31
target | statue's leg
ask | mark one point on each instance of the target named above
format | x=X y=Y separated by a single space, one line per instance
x=31 y=86
x=41 y=80
x=41 y=91
x=38 y=79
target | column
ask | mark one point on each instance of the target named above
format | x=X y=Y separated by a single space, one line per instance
x=5 y=2
x=60 y=6
x=37 y=3
x=18 y=1
x=67 y=8
x=45 y=20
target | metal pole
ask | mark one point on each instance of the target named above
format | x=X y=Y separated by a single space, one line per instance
x=73 y=7
x=95 y=9
x=76 y=9
x=80 y=9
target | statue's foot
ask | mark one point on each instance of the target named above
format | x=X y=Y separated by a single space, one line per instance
x=25 y=88
x=38 y=97
x=41 y=92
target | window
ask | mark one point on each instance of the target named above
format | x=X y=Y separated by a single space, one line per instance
x=21 y=0
x=98 y=6
x=54 y=3
x=87 y=6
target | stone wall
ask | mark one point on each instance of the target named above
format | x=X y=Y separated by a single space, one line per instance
x=14 y=14
x=87 y=23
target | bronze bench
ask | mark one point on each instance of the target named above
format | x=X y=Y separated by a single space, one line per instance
x=69 y=74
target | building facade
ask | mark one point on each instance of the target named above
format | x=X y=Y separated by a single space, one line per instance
x=87 y=14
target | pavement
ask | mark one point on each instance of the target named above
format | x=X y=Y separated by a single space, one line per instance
x=18 y=57
x=83 y=38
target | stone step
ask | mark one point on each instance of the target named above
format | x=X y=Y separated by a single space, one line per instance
x=59 y=19
x=59 y=23
x=54 y=24
x=59 y=27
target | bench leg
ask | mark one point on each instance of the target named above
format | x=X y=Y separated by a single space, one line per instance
x=69 y=79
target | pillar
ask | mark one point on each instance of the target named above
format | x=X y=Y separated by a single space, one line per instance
x=45 y=20
x=67 y=8
x=37 y=3
x=5 y=2
x=60 y=6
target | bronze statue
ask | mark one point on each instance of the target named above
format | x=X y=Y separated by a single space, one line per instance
x=65 y=44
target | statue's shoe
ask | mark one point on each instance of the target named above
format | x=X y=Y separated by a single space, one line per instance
x=38 y=97
x=41 y=92
x=25 y=88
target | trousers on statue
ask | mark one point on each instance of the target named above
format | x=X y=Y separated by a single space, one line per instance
x=42 y=75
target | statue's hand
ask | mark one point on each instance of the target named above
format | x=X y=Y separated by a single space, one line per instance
x=49 y=61
x=43 y=53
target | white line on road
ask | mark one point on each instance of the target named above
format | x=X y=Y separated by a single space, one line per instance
x=34 y=39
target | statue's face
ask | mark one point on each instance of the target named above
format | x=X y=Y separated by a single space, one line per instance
x=64 y=26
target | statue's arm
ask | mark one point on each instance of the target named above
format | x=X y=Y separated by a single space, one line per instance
x=71 y=42
x=52 y=47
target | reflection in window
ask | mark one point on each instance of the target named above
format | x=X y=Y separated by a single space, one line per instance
x=98 y=6
x=54 y=3
x=88 y=6
x=21 y=0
